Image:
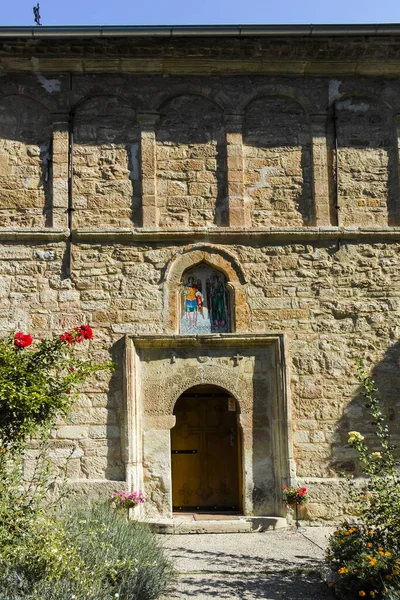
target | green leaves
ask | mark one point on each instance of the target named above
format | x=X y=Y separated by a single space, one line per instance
x=36 y=383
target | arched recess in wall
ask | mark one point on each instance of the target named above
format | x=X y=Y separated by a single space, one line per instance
x=366 y=162
x=277 y=162
x=191 y=159
x=106 y=163
x=25 y=181
x=220 y=261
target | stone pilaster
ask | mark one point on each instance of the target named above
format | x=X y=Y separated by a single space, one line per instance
x=60 y=174
x=150 y=217
x=395 y=220
x=239 y=215
x=320 y=181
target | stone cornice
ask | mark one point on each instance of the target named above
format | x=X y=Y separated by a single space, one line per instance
x=203 y=66
x=33 y=234
x=227 y=235
x=220 y=235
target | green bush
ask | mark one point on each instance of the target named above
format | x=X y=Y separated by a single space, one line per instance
x=88 y=554
x=46 y=553
x=125 y=555
x=365 y=555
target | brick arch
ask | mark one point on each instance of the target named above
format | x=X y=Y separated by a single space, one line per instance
x=218 y=258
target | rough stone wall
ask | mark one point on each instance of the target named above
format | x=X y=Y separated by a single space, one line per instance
x=106 y=164
x=277 y=163
x=25 y=144
x=366 y=163
x=190 y=156
x=333 y=304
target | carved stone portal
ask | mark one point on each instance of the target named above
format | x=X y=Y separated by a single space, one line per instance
x=159 y=369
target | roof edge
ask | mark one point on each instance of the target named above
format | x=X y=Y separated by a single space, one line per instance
x=110 y=31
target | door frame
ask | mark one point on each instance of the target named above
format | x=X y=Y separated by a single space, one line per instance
x=158 y=369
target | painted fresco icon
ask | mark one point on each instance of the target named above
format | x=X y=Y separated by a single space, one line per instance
x=205 y=302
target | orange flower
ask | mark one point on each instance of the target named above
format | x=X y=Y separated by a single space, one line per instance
x=388 y=578
x=372 y=593
x=388 y=554
x=369 y=545
x=370 y=532
x=361 y=593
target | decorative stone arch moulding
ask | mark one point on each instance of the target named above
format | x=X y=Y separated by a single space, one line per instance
x=218 y=258
x=281 y=91
x=31 y=96
x=161 y=100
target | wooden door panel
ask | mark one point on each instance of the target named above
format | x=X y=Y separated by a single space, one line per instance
x=204 y=445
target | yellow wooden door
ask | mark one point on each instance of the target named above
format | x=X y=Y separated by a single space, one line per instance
x=205 y=459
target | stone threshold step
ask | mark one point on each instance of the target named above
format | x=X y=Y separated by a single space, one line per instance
x=241 y=524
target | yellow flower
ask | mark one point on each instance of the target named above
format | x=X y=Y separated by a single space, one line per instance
x=388 y=554
x=361 y=593
x=372 y=593
x=369 y=545
x=396 y=572
x=388 y=577
x=343 y=570
x=376 y=455
x=370 y=532
x=355 y=436
x=380 y=549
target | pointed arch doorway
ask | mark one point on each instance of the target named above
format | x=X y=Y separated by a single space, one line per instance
x=206 y=452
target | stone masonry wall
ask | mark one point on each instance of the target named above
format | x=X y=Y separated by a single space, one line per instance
x=333 y=304
x=277 y=163
x=25 y=146
x=190 y=159
x=106 y=164
x=178 y=152
x=366 y=162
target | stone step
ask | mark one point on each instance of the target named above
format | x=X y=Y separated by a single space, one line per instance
x=241 y=524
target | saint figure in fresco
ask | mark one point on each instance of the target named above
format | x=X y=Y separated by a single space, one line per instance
x=217 y=302
x=193 y=301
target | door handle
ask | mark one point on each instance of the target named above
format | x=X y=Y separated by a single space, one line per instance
x=184 y=452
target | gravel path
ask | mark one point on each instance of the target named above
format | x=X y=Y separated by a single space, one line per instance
x=274 y=565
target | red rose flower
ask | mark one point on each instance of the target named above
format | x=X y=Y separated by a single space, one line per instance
x=67 y=338
x=85 y=332
x=22 y=340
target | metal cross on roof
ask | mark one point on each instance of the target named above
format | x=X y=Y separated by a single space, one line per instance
x=36 y=12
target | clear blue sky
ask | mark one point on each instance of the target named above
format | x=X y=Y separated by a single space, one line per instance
x=179 y=12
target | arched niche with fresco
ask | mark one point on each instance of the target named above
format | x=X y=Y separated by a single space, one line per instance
x=205 y=301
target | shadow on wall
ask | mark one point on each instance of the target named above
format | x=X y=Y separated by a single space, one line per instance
x=110 y=438
x=191 y=163
x=278 y=165
x=106 y=163
x=386 y=375
x=367 y=163
x=25 y=158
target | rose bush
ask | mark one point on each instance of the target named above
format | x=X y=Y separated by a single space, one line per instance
x=36 y=380
x=47 y=553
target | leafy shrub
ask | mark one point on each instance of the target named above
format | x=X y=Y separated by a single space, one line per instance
x=36 y=382
x=125 y=555
x=88 y=554
x=365 y=556
x=45 y=554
